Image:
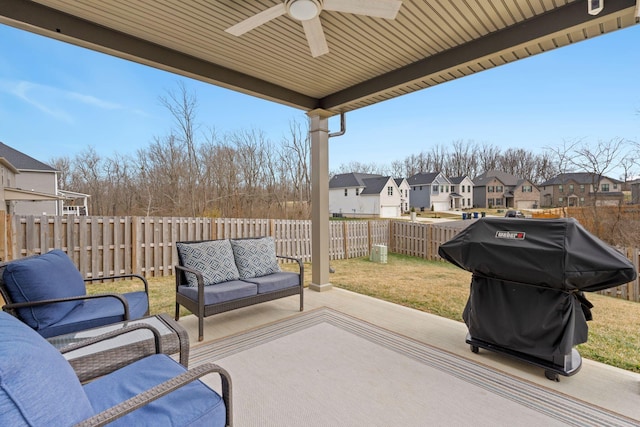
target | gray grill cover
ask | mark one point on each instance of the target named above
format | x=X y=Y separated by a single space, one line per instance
x=528 y=281
x=553 y=253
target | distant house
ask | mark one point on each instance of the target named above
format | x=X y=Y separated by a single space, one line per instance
x=430 y=190
x=404 y=188
x=30 y=187
x=497 y=189
x=635 y=192
x=366 y=195
x=581 y=189
x=461 y=192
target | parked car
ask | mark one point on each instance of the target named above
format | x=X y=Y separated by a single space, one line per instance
x=513 y=214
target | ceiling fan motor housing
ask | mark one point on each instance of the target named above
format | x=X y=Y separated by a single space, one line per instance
x=303 y=10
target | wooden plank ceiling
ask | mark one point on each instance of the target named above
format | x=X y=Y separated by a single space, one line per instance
x=369 y=59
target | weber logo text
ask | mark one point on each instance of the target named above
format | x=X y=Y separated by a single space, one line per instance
x=512 y=235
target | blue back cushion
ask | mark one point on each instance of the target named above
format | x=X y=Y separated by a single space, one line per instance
x=49 y=276
x=37 y=385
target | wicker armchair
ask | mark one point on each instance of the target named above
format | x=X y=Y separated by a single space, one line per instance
x=38 y=387
x=48 y=293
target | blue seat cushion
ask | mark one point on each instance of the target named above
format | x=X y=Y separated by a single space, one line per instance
x=221 y=292
x=195 y=404
x=48 y=276
x=38 y=387
x=98 y=312
x=275 y=281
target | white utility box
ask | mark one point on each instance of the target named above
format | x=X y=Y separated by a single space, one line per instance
x=378 y=254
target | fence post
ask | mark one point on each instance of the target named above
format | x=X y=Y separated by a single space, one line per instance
x=345 y=238
x=135 y=247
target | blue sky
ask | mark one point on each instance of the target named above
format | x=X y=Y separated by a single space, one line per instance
x=57 y=99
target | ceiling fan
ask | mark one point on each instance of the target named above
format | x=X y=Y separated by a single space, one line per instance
x=308 y=13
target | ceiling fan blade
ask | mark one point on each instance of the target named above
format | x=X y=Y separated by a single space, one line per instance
x=315 y=37
x=377 y=8
x=256 y=20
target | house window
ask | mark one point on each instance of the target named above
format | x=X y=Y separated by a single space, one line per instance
x=434 y=189
x=490 y=189
x=468 y=189
x=605 y=187
x=499 y=189
x=491 y=202
x=560 y=200
x=582 y=188
x=462 y=188
x=463 y=203
x=453 y=189
x=561 y=188
x=446 y=189
x=442 y=188
x=570 y=188
x=527 y=188
x=582 y=200
x=469 y=202
x=615 y=186
x=390 y=191
x=498 y=202
x=357 y=191
x=345 y=192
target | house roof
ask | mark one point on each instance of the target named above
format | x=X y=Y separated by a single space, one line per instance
x=375 y=185
x=506 y=178
x=352 y=179
x=457 y=179
x=423 y=178
x=369 y=60
x=579 y=177
x=21 y=161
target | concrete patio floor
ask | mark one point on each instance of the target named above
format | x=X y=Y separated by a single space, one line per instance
x=598 y=384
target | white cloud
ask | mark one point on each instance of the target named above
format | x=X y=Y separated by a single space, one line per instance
x=55 y=102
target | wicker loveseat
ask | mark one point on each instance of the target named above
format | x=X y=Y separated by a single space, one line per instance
x=214 y=276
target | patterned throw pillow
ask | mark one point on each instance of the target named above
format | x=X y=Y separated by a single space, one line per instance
x=255 y=257
x=214 y=259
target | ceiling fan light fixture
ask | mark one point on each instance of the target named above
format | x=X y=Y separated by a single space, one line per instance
x=303 y=10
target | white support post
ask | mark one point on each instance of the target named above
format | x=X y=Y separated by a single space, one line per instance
x=319 y=134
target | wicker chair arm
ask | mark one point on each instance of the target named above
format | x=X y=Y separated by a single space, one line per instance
x=179 y=277
x=163 y=389
x=112 y=334
x=17 y=305
x=300 y=266
x=122 y=276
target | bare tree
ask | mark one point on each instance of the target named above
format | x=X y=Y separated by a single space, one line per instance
x=462 y=160
x=63 y=166
x=488 y=157
x=183 y=107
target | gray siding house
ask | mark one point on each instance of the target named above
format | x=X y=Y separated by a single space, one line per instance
x=30 y=187
x=430 y=190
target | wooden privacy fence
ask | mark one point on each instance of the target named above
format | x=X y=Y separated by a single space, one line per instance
x=105 y=246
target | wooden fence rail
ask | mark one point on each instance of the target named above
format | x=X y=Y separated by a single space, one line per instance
x=105 y=246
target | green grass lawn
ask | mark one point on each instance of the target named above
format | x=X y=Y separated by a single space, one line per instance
x=442 y=289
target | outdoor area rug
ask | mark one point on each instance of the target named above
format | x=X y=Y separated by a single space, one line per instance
x=325 y=368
